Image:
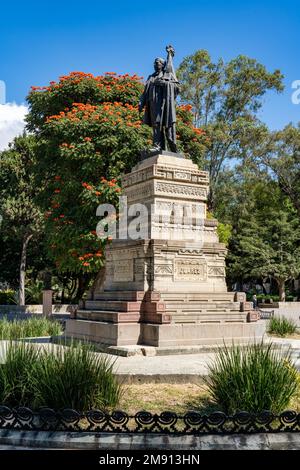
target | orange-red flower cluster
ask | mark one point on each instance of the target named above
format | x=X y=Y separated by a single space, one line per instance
x=121 y=82
x=185 y=107
x=115 y=113
x=87 y=186
x=198 y=131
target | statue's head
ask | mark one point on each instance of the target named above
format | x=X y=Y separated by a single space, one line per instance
x=159 y=64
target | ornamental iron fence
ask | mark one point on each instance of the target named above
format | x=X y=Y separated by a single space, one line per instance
x=193 y=422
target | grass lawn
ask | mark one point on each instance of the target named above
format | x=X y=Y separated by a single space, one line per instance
x=179 y=398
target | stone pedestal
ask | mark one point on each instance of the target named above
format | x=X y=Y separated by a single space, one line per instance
x=167 y=288
x=47 y=302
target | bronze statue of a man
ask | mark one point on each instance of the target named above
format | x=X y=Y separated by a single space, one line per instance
x=158 y=98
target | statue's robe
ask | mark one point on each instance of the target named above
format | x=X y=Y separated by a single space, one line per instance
x=159 y=100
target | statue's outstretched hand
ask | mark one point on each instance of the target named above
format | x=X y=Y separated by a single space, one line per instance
x=171 y=50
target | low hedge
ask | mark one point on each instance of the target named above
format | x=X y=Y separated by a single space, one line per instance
x=7 y=297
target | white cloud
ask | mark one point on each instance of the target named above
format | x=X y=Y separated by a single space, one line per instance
x=11 y=122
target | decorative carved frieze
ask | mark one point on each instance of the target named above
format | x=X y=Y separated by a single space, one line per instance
x=189 y=251
x=182 y=175
x=216 y=271
x=165 y=269
x=139 y=192
x=137 y=177
x=165 y=172
x=180 y=189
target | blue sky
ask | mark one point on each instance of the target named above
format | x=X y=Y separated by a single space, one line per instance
x=40 y=40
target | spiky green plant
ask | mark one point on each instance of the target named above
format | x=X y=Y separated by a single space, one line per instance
x=281 y=326
x=33 y=326
x=70 y=377
x=252 y=378
x=76 y=377
x=17 y=373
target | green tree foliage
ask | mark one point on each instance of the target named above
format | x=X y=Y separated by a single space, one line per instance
x=266 y=236
x=282 y=156
x=225 y=98
x=22 y=222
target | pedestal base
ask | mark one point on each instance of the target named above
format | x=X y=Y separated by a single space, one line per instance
x=167 y=288
x=173 y=336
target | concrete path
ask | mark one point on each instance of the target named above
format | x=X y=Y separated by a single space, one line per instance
x=170 y=369
x=181 y=368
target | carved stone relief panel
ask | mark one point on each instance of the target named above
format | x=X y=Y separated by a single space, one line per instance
x=123 y=270
x=190 y=269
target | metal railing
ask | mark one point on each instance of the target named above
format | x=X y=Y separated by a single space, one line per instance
x=193 y=422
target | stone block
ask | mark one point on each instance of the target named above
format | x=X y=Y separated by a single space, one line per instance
x=47 y=302
x=240 y=296
x=246 y=306
x=252 y=316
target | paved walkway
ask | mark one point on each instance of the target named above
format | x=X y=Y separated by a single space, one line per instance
x=181 y=368
x=175 y=368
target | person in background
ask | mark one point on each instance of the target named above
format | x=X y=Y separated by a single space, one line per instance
x=254 y=301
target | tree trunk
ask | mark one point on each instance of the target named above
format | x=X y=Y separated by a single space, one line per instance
x=83 y=282
x=281 y=288
x=23 y=269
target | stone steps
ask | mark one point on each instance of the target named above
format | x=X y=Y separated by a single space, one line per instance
x=166 y=307
x=215 y=316
x=122 y=317
x=198 y=297
x=171 y=296
x=108 y=316
x=202 y=307
x=169 y=307
x=128 y=296
x=115 y=305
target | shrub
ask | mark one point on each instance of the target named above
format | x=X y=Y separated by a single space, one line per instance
x=267 y=298
x=34 y=292
x=281 y=326
x=7 y=297
x=252 y=378
x=33 y=326
x=73 y=377
x=291 y=298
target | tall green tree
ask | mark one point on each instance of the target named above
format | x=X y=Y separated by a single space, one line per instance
x=22 y=222
x=266 y=237
x=225 y=99
x=282 y=156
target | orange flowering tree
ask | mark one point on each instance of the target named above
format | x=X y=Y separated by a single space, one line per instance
x=89 y=132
